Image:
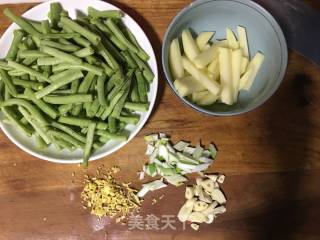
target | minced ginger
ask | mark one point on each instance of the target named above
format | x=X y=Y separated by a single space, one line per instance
x=107 y=198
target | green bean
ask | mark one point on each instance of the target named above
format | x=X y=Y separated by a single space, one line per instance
x=108 y=70
x=131 y=63
x=147 y=73
x=36 y=40
x=104 y=14
x=46 y=108
x=55 y=11
x=134 y=119
x=8 y=112
x=100 y=90
x=32 y=54
x=91 y=59
x=141 y=86
x=118 y=107
x=100 y=111
x=13 y=50
x=34 y=124
x=28 y=61
x=134 y=92
x=63 y=109
x=4 y=66
x=27 y=84
x=61 y=55
x=113 y=102
x=7 y=94
x=28 y=70
x=102 y=27
x=16 y=73
x=65 y=41
x=64 y=78
x=66 y=137
x=141 y=53
x=45 y=26
x=141 y=107
x=76 y=98
x=112 y=122
x=2 y=89
x=93 y=109
x=64 y=13
x=59 y=35
x=89 y=143
x=107 y=57
x=117 y=32
x=112 y=136
x=60 y=46
x=83 y=66
x=40 y=142
x=86 y=83
x=82 y=122
x=69 y=131
x=85 y=52
x=8 y=83
x=122 y=126
x=33 y=110
x=74 y=86
x=21 y=23
x=92 y=37
x=48 y=61
x=35 y=24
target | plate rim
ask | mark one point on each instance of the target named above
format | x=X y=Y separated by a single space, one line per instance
x=132 y=134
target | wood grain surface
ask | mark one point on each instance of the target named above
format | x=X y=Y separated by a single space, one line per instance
x=270 y=156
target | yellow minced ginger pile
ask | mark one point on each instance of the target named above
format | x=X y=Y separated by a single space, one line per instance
x=107 y=198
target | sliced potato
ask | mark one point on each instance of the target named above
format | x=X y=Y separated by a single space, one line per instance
x=204 y=98
x=255 y=65
x=187 y=85
x=206 y=47
x=213 y=68
x=243 y=41
x=175 y=59
x=244 y=64
x=232 y=40
x=236 y=57
x=207 y=56
x=200 y=76
x=226 y=76
x=245 y=78
x=203 y=38
x=189 y=45
x=221 y=43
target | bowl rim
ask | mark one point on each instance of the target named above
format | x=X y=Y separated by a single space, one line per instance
x=280 y=35
x=133 y=133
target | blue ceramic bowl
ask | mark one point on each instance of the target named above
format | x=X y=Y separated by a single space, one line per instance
x=264 y=34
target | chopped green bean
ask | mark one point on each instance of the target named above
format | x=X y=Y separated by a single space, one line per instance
x=48 y=61
x=13 y=50
x=104 y=14
x=134 y=119
x=63 y=109
x=21 y=22
x=83 y=66
x=140 y=107
x=61 y=55
x=8 y=83
x=45 y=26
x=112 y=136
x=60 y=46
x=112 y=122
x=54 y=14
x=141 y=86
x=32 y=54
x=89 y=143
x=64 y=78
x=92 y=37
x=27 y=84
x=82 y=122
x=66 y=137
x=85 y=52
x=76 y=98
x=100 y=90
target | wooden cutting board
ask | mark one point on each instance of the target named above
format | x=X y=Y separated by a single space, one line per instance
x=270 y=156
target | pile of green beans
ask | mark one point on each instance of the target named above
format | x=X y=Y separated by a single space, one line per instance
x=74 y=83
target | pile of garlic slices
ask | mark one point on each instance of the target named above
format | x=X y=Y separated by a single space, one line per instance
x=209 y=71
x=204 y=201
x=173 y=162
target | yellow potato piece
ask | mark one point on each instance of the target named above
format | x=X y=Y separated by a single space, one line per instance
x=204 y=98
x=255 y=65
x=187 y=85
x=243 y=41
x=200 y=76
x=213 y=68
x=226 y=76
x=244 y=64
x=244 y=79
x=175 y=59
x=236 y=72
x=203 y=39
x=189 y=45
x=231 y=38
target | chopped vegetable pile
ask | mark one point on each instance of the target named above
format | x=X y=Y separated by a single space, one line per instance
x=173 y=162
x=107 y=198
x=204 y=202
x=213 y=71
x=74 y=83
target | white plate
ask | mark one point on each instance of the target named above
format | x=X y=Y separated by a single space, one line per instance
x=27 y=144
